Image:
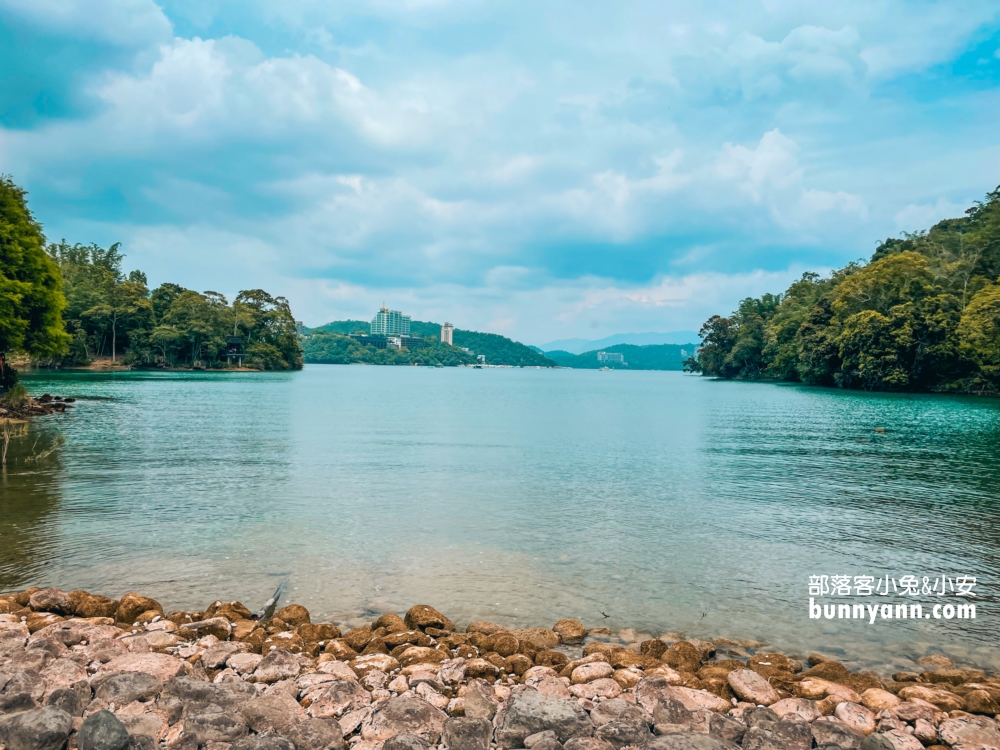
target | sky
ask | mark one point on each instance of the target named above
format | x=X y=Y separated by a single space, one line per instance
x=544 y=170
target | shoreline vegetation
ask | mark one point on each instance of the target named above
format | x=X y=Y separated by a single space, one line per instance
x=922 y=315
x=67 y=305
x=75 y=666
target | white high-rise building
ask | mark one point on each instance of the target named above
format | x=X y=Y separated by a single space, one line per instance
x=446 y=333
x=390 y=323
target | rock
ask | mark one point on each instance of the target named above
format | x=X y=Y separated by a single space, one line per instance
x=316 y=734
x=481 y=668
x=620 y=734
x=421 y=655
x=879 y=700
x=405 y=742
x=688 y=741
x=910 y=711
x=277 y=665
x=271 y=713
x=217 y=656
x=970 y=733
x=122 y=689
x=857 y=717
x=768 y=665
x=51 y=600
x=480 y=700
x=530 y=711
x=214 y=727
x=751 y=687
x=981 y=702
x=39 y=729
x=405 y=714
x=73 y=700
x=465 y=733
x=943 y=699
x=570 y=631
x=132 y=605
x=837 y=734
x=102 y=731
x=220 y=627
x=804 y=708
x=586 y=743
x=12 y=703
x=894 y=740
x=338 y=698
x=373 y=662
x=726 y=728
x=781 y=735
x=423 y=616
x=265 y=742
x=293 y=614
x=161 y=666
x=937 y=661
x=94 y=605
x=602 y=688
x=924 y=731
x=541 y=638
x=590 y=672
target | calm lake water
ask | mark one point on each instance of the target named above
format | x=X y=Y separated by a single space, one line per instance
x=669 y=502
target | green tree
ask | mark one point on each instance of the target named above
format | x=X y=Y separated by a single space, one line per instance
x=979 y=337
x=31 y=298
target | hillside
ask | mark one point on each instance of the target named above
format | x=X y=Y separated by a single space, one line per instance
x=922 y=315
x=328 y=344
x=652 y=357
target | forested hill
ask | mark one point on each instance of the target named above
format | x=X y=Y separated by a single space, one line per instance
x=650 y=357
x=922 y=315
x=329 y=344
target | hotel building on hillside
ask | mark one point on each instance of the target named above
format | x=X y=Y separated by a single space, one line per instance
x=446 y=333
x=390 y=323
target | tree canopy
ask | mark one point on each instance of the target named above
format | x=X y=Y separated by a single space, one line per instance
x=31 y=298
x=923 y=314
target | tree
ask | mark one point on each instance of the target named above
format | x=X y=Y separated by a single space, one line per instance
x=979 y=336
x=31 y=298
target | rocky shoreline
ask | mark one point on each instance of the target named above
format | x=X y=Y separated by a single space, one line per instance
x=36 y=407
x=84 y=671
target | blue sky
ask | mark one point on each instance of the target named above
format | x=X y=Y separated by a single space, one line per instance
x=546 y=170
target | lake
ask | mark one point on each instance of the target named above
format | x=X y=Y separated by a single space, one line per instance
x=667 y=502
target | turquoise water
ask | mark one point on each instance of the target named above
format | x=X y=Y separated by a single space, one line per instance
x=669 y=502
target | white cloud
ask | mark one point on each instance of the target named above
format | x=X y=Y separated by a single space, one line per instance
x=915 y=217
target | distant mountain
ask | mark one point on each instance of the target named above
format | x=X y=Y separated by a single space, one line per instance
x=579 y=346
x=325 y=345
x=652 y=357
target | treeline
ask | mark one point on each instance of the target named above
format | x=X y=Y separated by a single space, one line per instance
x=922 y=315
x=326 y=344
x=109 y=314
x=67 y=305
x=329 y=348
x=648 y=357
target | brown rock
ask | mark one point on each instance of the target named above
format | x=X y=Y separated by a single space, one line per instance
x=503 y=643
x=407 y=638
x=423 y=616
x=94 y=605
x=879 y=700
x=51 y=600
x=35 y=621
x=132 y=605
x=287 y=641
x=421 y=655
x=519 y=664
x=357 y=638
x=622 y=658
x=277 y=665
x=981 y=702
x=486 y=628
x=771 y=665
x=339 y=649
x=232 y=611
x=682 y=656
x=293 y=614
x=373 y=662
x=392 y=622
x=937 y=661
x=943 y=699
x=481 y=668
x=856 y=716
x=220 y=627
x=653 y=647
x=598 y=647
x=805 y=709
x=752 y=687
x=832 y=671
x=542 y=638
x=570 y=631
x=972 y=733
x=161 y=666
x=376 y=646
x=317 y=632
x=547 y=658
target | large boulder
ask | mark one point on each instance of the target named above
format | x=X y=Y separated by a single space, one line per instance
x=423 y=616
x=836 y=733
x=529 y=711
x=316 y=734
x=102 y=731
x=132 y=605
x=126 y=687
x=751 y=687
x=51 y=600
x=278 y=664
x=405 y=714
x=570 y=631
x=161 y=666
x=40 y=729
x=215 y=726
x=971 y=732
x=621 y=734
x=463 y=733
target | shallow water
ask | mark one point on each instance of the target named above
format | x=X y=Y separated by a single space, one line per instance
x=668 y=502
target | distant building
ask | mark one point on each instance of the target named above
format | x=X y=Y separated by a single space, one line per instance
x=300 y=327
x=395 y=342
x=234 y=350
x=613 y=357
x=390 y=323
x=446 y=333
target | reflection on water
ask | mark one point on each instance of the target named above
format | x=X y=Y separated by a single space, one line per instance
x=29 y=497
x=669 y=502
